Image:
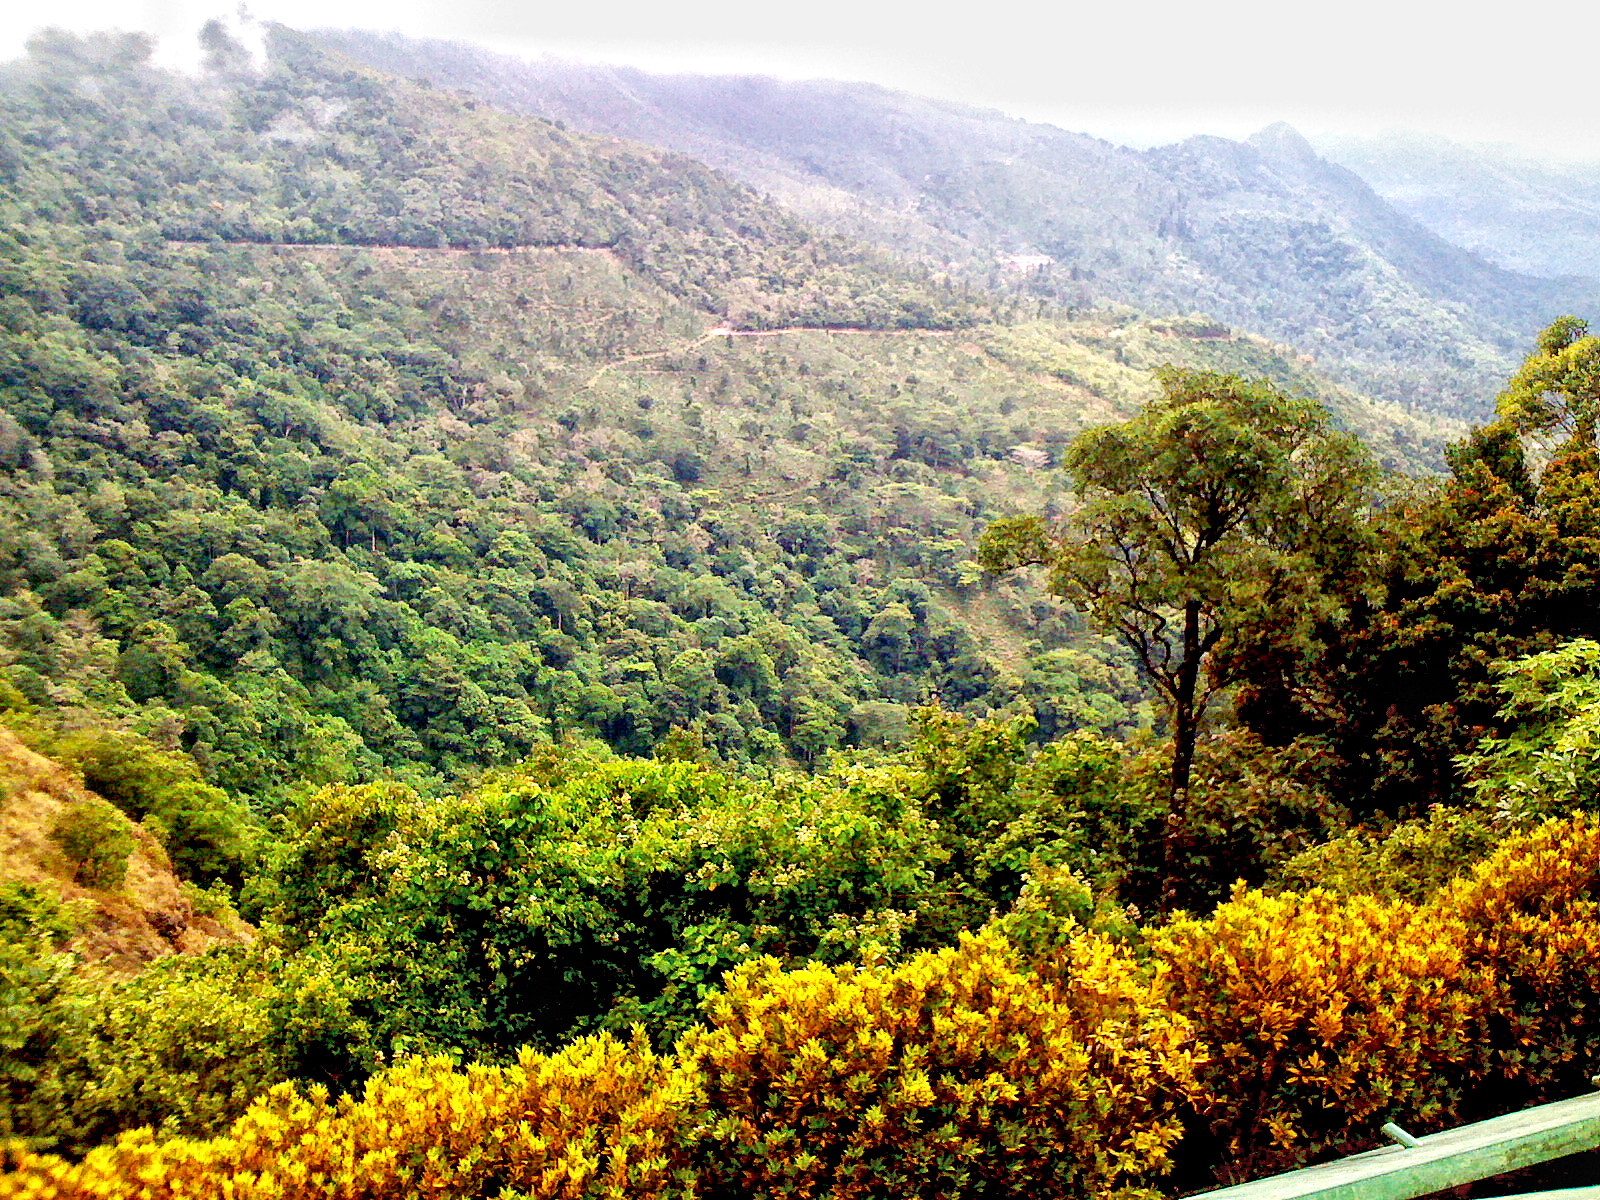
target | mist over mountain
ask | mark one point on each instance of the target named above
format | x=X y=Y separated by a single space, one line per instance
x=1262 y=234
x=1518 y=211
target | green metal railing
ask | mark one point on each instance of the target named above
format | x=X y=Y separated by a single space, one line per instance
x=1419 y=1166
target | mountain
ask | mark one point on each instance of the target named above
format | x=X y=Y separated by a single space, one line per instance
x=1262 y=235
x=354 y=427
x=530 y=573
x=1537 y=217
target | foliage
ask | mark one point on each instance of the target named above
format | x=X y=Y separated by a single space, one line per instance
x=1487 y=565
x=208 y=835
x=1055 y=906
x=1036 y=1056
x=962 y=1071
x=535 y=909
x=375 y=468
x=599 y=1119
x=1531 y=913
x=1260 y=235
x=31 y=913
x=1322 y=1014
x=958 y=1069
x=1252 y=807
x=33 y=929
x=95 y=839
x=579 y=894
x=34 y=1019
x=416 y=452
x=1213 y=526
x=1074 y=810
x=183 y=1047
x=1553 y=397
x=1547 y=762
x=1410 y=861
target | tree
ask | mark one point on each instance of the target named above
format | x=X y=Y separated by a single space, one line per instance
x=94 y=837
x=1498 y=560
x=1209 y=528
x=1555 y=396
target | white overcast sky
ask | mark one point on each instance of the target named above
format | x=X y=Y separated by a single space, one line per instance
x=1138 y=72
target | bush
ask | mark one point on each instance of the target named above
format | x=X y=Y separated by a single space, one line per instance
x=1323 y=1015
x=602 y=1118
x=1529 y=918
x=35 y=1022
x=1410 y=862
x=208 y=834
x=183 y=1047
x=30 y=915
x=12 y=700
x=1076 y=809
x=1546 y=763
x=961 y=1072
x=95 y=839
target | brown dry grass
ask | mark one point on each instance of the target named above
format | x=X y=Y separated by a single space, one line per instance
x=146 y=918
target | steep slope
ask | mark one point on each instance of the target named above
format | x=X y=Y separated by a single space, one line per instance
x=311 y=470
x=1261 y=234
x=147 y=916
x=1539 y=217
x=1287 y=242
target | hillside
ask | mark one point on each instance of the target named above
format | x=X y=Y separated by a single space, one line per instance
x=332 y=455
x=1261 y=235
x=1520 y=212
x=125 y=926
x=700 y=693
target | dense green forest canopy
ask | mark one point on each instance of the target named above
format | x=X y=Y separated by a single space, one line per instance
x=352 y=428
x=315 y=513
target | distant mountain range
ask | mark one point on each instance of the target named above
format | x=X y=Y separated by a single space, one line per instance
x=1541 y=218
x=1264 y=235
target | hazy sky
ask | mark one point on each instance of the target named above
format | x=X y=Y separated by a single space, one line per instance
x=1153 y=71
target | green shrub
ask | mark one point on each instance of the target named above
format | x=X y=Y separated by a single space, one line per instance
x=30 y=915
x=183 y=1047
x=1251 y=808
x=1410 y=862
x=209 y=836
x=12 y=700
x=95 y=839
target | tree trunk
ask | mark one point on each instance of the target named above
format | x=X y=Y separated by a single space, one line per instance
x=1185 y=720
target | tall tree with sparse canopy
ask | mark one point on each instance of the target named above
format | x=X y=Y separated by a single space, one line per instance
x=1225 y=520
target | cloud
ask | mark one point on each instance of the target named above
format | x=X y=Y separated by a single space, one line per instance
x=1165 y=68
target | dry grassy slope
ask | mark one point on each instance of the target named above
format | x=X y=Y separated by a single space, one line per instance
x=146 y=918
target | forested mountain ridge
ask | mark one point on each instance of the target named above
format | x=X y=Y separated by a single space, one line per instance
x=316 y=152
x=315 y=505
x=1261 y=234
x=312 y=418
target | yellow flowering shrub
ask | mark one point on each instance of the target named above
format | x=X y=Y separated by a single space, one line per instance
x=1323 y=1015
x=1277 y=1030
x=1530 y=915
x=960 y=1072
x=598 y=1120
